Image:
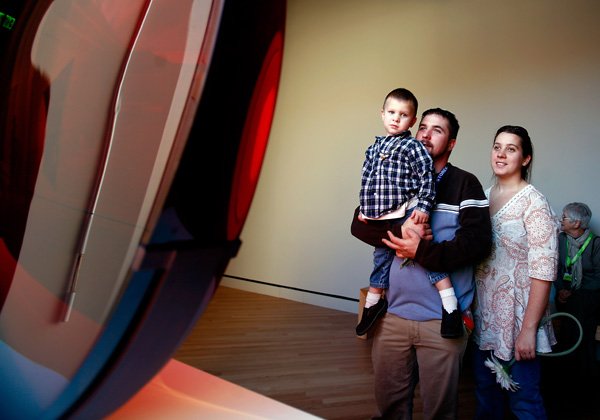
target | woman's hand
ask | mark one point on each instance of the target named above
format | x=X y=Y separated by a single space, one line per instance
x=536 y=305
x=525 y=344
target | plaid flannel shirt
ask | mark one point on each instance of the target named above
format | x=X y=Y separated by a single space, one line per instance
x=396 y=168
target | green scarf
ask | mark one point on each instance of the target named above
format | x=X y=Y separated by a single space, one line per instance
x=573 y=246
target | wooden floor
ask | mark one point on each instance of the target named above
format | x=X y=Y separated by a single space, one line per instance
x=302 y=355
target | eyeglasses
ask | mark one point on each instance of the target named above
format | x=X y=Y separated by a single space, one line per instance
x=563 y=218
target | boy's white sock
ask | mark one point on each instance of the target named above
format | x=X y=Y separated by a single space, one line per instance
x=372 y=299
x=449 y=301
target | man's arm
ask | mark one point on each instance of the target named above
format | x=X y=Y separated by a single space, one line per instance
x=473 y=239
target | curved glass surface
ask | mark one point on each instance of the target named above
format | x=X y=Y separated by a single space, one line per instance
x=92 y=98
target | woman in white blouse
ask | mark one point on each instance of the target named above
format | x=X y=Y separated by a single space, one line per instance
x=513 y=283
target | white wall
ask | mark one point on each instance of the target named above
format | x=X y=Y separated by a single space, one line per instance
x=533 y=63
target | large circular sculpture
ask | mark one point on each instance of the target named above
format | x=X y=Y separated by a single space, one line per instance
x=131 y=138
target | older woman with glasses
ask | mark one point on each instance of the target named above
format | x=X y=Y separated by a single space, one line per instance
x=578 y=289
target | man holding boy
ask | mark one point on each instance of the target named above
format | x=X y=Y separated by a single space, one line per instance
x=407 y=347
x=397 y=183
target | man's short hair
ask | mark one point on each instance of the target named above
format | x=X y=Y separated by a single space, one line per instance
x=449 y=116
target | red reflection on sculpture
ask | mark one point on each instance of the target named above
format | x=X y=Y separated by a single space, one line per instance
x=255 y=137
x=21 y=152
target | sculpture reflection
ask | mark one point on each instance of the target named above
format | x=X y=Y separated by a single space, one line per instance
x=99 y=99
x=76 y=115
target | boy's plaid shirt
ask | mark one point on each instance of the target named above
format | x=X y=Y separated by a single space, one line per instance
x=396 y=168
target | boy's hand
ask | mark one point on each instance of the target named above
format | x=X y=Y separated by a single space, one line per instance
x=419 y=217
x=422 y=229
x=361 y=218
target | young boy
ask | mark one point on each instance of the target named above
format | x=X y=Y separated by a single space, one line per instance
x=397 y=183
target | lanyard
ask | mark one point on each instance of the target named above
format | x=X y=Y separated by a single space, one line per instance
x=569 y=263
x=441 y=174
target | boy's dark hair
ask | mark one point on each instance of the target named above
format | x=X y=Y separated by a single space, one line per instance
x=449 y=116
x=526 y=146
x=402 y=94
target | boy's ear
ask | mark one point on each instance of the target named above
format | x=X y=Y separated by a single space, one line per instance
x=414 y=120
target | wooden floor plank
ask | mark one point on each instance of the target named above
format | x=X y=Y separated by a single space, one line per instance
x=303 y=355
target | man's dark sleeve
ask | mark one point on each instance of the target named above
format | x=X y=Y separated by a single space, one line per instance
x=473 y=239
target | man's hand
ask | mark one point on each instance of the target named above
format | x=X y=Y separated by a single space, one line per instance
x=405 y=247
